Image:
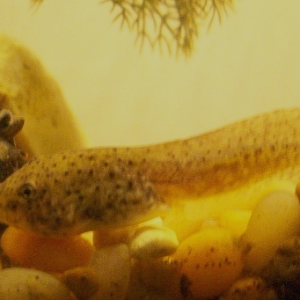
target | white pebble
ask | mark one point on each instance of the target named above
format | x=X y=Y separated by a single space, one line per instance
x=28 y=284
x=250 y=288
x=275 y=218
x=153 y=242
x=112 y=265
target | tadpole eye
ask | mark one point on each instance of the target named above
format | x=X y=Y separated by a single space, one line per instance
x=27 y=191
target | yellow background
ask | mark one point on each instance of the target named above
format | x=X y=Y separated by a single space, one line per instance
x=248 y=64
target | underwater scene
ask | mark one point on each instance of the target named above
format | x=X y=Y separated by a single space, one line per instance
x=149 y=150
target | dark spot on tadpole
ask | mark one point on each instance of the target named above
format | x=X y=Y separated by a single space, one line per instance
x=91 y=213
x=258 y=151
x=12 y=205
x=47 y=203
x=68 y=193
x=185 y=284
x=110 y=205
x=136 y=202
x=129 y=185
x=246 y=156
x=111 y=175
x=84 y=279
x=123 y=201
x=58 y=223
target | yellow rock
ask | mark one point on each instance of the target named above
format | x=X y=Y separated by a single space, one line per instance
x=46 y=254
x=30 y=92
x=209 y=263
x=235 y=221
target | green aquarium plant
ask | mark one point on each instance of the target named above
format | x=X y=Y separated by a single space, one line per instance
x=167 y=24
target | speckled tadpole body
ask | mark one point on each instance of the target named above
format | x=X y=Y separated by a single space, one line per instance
x=76 y=191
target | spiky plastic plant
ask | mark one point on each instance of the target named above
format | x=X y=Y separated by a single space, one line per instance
x=167 y=24
x=171 y=24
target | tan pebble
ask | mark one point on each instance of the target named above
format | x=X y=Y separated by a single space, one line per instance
x=153 y=242
x=28 y=284
x=284 y=267
x=158 y=276
x=252 y=288
x=107 y=236
x=112 y=266
x=275 y=219
x=82 y=281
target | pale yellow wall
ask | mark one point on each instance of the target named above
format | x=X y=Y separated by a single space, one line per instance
x=249 y=64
